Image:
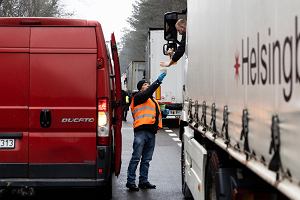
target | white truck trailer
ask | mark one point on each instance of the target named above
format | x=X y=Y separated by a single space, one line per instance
x=169 y=94
x=134 y=73
x=241 y=117
x=124 y=81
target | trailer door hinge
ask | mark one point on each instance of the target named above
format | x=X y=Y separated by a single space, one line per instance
x=190 y=111
x=203 y=117
x=213 y=119
x=196 y=116
x=245 y=131
x=225 y=125
x=275 y=163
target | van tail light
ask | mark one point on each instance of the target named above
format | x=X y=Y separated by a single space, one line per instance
x=103 y=137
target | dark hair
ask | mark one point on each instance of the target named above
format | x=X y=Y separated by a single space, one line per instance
x=141 y=83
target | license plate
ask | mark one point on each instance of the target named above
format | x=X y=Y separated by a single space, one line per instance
x=7 y=143
x=175 y=112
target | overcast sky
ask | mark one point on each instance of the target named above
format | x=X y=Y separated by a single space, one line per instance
x=112 y=14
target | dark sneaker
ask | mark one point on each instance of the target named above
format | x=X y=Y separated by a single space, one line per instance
x=132 y=187
x=147 y=185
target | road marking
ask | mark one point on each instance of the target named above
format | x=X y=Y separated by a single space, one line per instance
x=174 y=136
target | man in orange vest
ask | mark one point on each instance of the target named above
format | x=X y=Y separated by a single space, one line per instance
x=147 y=120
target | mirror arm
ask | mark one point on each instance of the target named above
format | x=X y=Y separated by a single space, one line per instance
x=183 y=12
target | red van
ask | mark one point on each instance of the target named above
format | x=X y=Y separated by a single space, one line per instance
x=60 y=114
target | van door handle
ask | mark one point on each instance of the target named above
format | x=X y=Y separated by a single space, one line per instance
x=45 y=118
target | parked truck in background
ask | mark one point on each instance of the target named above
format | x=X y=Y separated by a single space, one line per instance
x=134 y=73
x=169 y=94
x=124 y=81
x=240 y=122
x=59 y=106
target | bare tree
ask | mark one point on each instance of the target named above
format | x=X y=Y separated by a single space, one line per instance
x=32 y=8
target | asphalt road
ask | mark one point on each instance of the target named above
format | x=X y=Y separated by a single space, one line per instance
x=164 y=168
x=164 y=173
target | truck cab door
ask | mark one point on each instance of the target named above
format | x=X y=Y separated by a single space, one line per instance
x=118 y=108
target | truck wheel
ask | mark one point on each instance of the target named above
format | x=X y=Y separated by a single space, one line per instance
x=210 y=176
x=185 y=189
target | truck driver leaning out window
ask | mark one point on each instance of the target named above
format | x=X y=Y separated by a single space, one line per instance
x=147 y=120
x=175 y=56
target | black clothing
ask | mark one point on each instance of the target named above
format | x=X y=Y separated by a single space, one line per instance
x=180 y=50
x=124 y=94
x=147 y=185
x=142 y=97
x=125 y=106
x=132 y=187
x=125 y=109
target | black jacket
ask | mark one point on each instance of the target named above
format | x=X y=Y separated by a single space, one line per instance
x=142 y=97
x=180 y=50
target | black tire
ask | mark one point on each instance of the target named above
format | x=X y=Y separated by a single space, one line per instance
x=105 y=192
x=5 y=194
x=185 y=189
x=108 y=189
x=210 y=176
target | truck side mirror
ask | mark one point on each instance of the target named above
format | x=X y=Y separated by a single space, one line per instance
x=169 y=45
x=170 y=32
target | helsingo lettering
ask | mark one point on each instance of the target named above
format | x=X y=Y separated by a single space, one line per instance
x=273 y=62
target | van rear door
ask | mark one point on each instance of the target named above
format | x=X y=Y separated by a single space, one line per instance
x=118 y=109
x=14 y=82
x=62 y=112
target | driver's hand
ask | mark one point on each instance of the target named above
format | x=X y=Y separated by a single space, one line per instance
x=170 y=52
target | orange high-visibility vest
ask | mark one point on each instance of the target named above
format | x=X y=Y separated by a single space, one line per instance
x=145 y=113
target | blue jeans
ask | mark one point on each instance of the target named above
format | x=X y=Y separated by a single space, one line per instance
x=143 y=147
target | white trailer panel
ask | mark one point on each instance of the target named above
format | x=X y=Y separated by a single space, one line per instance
x=245 y=54
x=134 y=73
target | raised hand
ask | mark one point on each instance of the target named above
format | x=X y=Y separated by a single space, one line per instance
x=161 y=76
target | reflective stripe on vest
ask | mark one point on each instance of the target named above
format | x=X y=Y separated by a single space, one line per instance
x=143 y=108
x=145 y=113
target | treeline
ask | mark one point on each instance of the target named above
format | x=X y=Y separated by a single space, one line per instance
x=146 y=13
x=32 y=8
